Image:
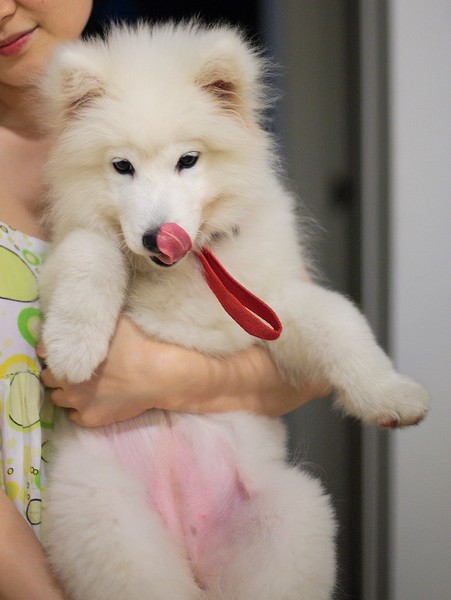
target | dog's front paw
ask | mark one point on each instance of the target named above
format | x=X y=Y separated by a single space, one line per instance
x=394 y=401
x=73 y=355
x=406 y=403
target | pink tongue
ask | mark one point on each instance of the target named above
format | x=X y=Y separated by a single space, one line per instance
x=173 y=242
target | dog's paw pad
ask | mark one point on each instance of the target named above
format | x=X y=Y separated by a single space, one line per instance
x=391 y=424
x=398 y=424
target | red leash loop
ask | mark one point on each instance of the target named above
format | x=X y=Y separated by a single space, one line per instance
x=251 y=313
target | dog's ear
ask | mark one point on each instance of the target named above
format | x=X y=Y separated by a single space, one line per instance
x=233 y=73
x=70 y=82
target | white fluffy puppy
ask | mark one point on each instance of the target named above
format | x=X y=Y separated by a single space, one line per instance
x=159 y=145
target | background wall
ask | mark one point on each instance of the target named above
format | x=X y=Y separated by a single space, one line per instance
x=420 y=298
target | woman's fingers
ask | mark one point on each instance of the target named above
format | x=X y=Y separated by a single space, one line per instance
x=49 y=380
x=40 y=350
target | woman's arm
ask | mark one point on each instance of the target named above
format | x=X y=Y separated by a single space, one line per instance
x=142 y=373
x=24 y=572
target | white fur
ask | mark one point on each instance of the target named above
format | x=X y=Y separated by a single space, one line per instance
x=150 y=95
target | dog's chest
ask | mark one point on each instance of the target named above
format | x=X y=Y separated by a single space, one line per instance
x=179 y=307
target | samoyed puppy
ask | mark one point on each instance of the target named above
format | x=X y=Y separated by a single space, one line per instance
x=160 y=164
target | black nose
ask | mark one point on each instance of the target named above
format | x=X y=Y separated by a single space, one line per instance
x=150 y=240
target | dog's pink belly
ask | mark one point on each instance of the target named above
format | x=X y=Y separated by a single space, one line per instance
x=191 y=475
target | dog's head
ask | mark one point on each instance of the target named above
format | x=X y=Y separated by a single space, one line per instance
x=158 y=133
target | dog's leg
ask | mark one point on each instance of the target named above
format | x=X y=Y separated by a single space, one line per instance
x=103 y=539
x=326 y=338
x=82 y=290
x=279 y=545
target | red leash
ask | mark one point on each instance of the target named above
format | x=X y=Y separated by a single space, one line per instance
x=251 y=313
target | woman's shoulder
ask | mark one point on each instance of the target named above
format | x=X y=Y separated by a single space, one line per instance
x=20 y=242
x=21 y=257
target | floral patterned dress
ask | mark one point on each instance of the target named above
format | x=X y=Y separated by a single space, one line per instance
x=26 y=414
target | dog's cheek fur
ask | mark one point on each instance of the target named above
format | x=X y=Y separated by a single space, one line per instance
x=79 y=195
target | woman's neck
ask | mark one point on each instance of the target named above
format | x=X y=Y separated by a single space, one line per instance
x=22 y=156
x=18 y=111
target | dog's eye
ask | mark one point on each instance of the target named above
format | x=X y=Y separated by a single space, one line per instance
x=187 y=161
x=123 y=166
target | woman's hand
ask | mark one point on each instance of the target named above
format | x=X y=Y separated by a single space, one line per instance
x=141 y=373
